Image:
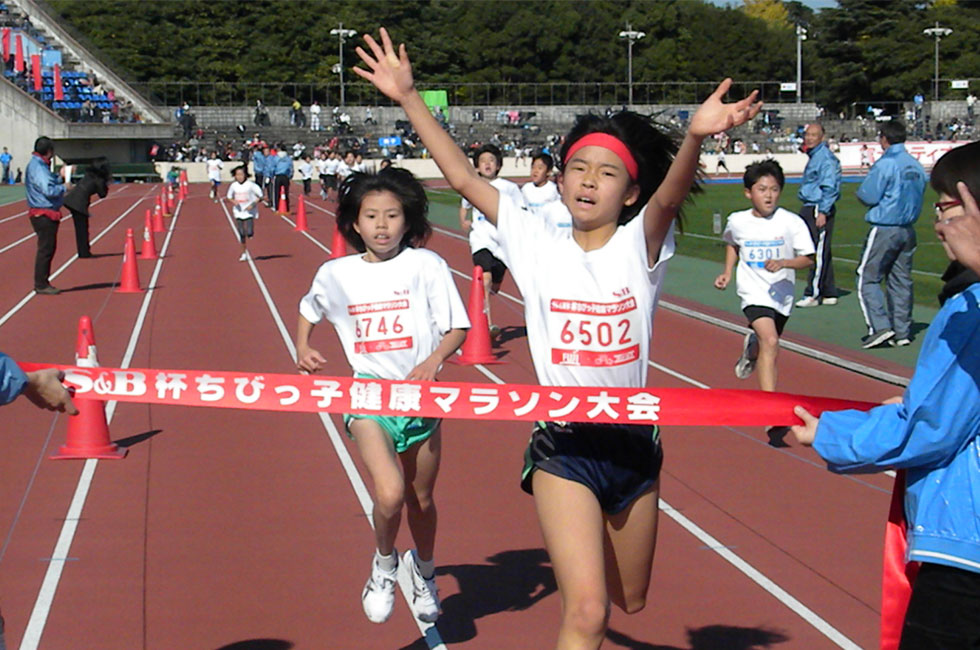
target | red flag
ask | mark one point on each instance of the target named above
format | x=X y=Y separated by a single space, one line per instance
x=5 y=38
x=897 y=576
x=59 y=92
x=36 y=71
x=18 y=55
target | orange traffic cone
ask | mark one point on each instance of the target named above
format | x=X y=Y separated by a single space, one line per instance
x=130 y=282
x=301 y=215
x=88 y=432
x=338 y=247
x=282 y=201
x=163 y=203
x=149 y=250
x=170 y=199
x=158 y=218
x=86 y=355
x=476 y=348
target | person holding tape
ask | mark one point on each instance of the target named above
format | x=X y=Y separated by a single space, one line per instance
x=398 y=315
x=589 y=303
x=43 y=388
x=932 y=433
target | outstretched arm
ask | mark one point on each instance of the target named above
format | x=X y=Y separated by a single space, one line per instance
x=712 y=117
x=392 y=75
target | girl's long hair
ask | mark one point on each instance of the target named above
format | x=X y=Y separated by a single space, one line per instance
x=652 y=144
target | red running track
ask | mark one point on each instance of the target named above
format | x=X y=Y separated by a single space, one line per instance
x=225 y=527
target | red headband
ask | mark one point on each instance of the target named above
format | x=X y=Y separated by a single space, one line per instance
x=613 y=144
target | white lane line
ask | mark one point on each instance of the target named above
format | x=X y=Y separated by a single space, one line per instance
x=33 y=234
x=21 y=214
x=429 y=631
x=23 y=301
x=13 y=216
x=813 y=353
x=49 y=586
x=756 y=576
x=847 y=260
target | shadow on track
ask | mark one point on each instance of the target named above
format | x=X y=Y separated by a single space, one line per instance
x=710 y=637
x=138 y=438
x=513 y=581
x=90 y=287
x=258 y=644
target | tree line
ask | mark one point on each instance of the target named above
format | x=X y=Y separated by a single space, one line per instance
x=860 y=50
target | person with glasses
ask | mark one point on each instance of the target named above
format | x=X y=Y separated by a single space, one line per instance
x=893 y=192
x=932 y=432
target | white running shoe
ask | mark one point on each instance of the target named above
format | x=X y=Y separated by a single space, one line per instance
x=750 y=352
x=243 y=257
x=378 y=597
x=808 y=301
x=830 y=300
x=425 y=595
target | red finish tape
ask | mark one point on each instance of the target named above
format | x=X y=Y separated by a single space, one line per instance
x=453 y=400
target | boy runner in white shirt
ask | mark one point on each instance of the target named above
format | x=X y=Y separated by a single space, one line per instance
x=214 y=173
x=769 y=243
x=483 y=235
x=540 y=190
x=244 y=195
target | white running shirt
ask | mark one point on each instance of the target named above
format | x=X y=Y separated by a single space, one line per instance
x=589 y=314
x=390 y=316
x=214 y=169
x=782 y=235
x=482 y=233
x=536 y=198
x=242 y=194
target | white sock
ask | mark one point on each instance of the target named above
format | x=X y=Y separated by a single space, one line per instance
x=387 y=563
x=426 y=568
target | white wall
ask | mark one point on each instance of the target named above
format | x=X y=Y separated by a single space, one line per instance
x=22 y=121
x=792 y=163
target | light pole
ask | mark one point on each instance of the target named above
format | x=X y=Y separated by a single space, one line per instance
x=937 y=32
x=631 y=36
x=800 y=37
x=341 y=34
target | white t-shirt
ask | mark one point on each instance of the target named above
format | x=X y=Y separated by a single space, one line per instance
x=390 y=316
x=330 y=166
x=214 y=169
x=782 y=235
x=535 y=198
x=482 y=232
x=242 y=194
x=556 y=215
x=343 y=170
x=306 y=170
x=589 y=315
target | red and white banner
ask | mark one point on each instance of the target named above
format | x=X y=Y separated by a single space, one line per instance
x=454 y=400
x=927 y=153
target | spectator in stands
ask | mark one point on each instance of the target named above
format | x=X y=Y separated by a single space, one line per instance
x=369 y=116
x=45 y=193
x=971 y=101
x=315 y=116
x=96 y=181
x=261 y=117
x=819 y=191
x=893 y=191
x=5 y=159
